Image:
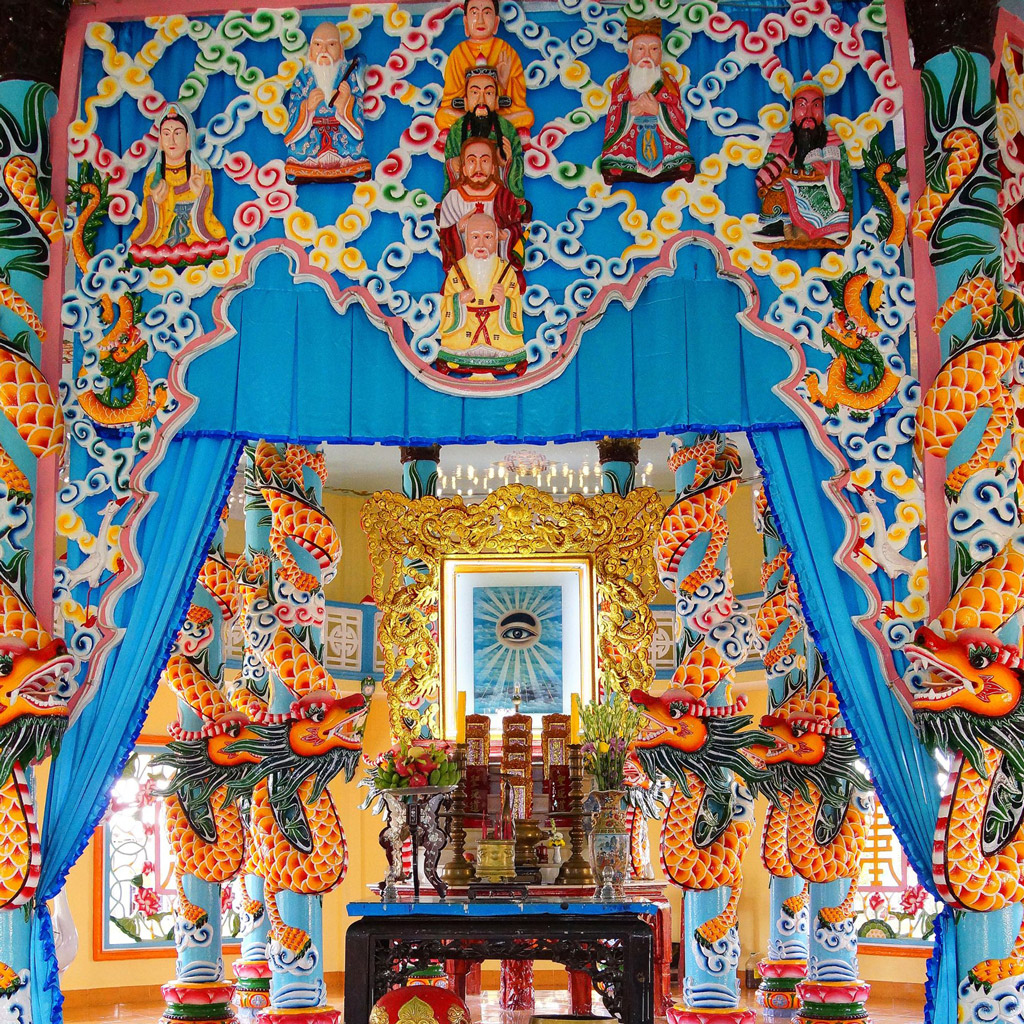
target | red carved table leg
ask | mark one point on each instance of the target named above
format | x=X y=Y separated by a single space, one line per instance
x=516 y=985
x=580 y=993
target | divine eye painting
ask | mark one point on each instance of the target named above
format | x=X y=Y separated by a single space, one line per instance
x=517 y=649
x=517 y=629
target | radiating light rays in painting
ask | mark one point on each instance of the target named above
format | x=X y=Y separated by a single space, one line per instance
x=517 y=637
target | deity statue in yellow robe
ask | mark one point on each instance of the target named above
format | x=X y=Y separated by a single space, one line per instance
x=482 y=309
x=482 y=47
x=177 y=227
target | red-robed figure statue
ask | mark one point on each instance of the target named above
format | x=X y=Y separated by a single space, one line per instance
x=645 y=132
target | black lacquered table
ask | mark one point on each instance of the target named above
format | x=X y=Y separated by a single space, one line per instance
x=609 y=941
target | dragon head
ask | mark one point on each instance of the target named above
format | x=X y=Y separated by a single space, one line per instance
x=317 y=738
x=682 y=733
x=812 y=747
x=326 y=723
x=972 y=694
x=33 y=699
x=671 y=721
x=851 y=323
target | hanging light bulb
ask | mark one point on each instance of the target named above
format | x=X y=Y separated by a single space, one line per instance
x=469 y=470
x=458 y=473
x=649 y=468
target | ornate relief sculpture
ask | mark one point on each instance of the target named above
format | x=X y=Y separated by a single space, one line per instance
x=177 y=227
x=645 y=132
x=478 y=188
x=482 y=308
x=482 y=47
x=483 y=121
x=858 y=378
x=325 y=113
x=805 y=184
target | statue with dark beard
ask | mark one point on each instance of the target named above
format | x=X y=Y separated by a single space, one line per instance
x=805 y=184
x=482 y=121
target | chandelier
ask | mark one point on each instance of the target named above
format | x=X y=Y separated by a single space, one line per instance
x=526 y=466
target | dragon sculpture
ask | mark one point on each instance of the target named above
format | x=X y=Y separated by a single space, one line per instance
x=970 y=705
x=128 y=397
x=204 y=825
x=304 y=732
x=782 y=642
x=858 y=377
x=695 y=734
x=972 y=377
x=823 y=793
x=35 y=673
x=709 y=819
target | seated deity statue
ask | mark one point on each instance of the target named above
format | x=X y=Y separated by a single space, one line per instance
x=177 y=227
x=325 y=114
x=482 y=310
x=805 y=184
x=645 y=131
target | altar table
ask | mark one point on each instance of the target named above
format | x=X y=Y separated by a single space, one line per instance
x=612 y=942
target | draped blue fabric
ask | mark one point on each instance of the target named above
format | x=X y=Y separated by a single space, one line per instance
x=192 y=481
x=301 y=381
x=902 y=770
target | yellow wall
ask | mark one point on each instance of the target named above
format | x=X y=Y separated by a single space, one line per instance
x=366 y=860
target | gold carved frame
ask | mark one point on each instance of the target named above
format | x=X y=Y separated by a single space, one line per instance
x=409 y=538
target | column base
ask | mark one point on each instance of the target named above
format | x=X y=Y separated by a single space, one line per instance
x=680 y=1014
x=303 y=1015
x=776 y=994
x=252 y=988
x=190 y=1003
x=825 y=1002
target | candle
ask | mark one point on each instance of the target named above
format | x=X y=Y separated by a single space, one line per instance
x=574 y=730
x=460 y=718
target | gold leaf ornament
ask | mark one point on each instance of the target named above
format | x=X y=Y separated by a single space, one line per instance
x=407 y=539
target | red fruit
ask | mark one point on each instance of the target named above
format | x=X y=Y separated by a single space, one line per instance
x=402 y=769
x=418 y=779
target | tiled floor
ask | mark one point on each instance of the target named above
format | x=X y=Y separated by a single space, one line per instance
x=884 y=1010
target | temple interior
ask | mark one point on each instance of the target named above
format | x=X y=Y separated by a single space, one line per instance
x=512 y=511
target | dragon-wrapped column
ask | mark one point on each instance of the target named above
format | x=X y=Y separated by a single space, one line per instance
x=35 y=668
x=968 y=695
x=695 y=733
x=782 y=640
x=204 y=825
x=307 y=735
x=251 y=696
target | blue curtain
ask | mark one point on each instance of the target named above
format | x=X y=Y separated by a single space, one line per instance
x=902 y=770
x=173 y=539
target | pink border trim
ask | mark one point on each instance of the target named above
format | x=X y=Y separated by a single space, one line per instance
x=929 y=354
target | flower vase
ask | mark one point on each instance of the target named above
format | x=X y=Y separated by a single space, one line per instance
x=610 y=841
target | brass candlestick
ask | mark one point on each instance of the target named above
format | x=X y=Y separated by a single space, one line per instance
x=576 y=870
x=458 y=871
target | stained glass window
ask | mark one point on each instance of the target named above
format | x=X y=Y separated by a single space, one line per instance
x=136 y=866
x=891 y=904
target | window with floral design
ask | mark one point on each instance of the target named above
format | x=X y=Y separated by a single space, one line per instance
x=891 y=904
x=135 y=868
